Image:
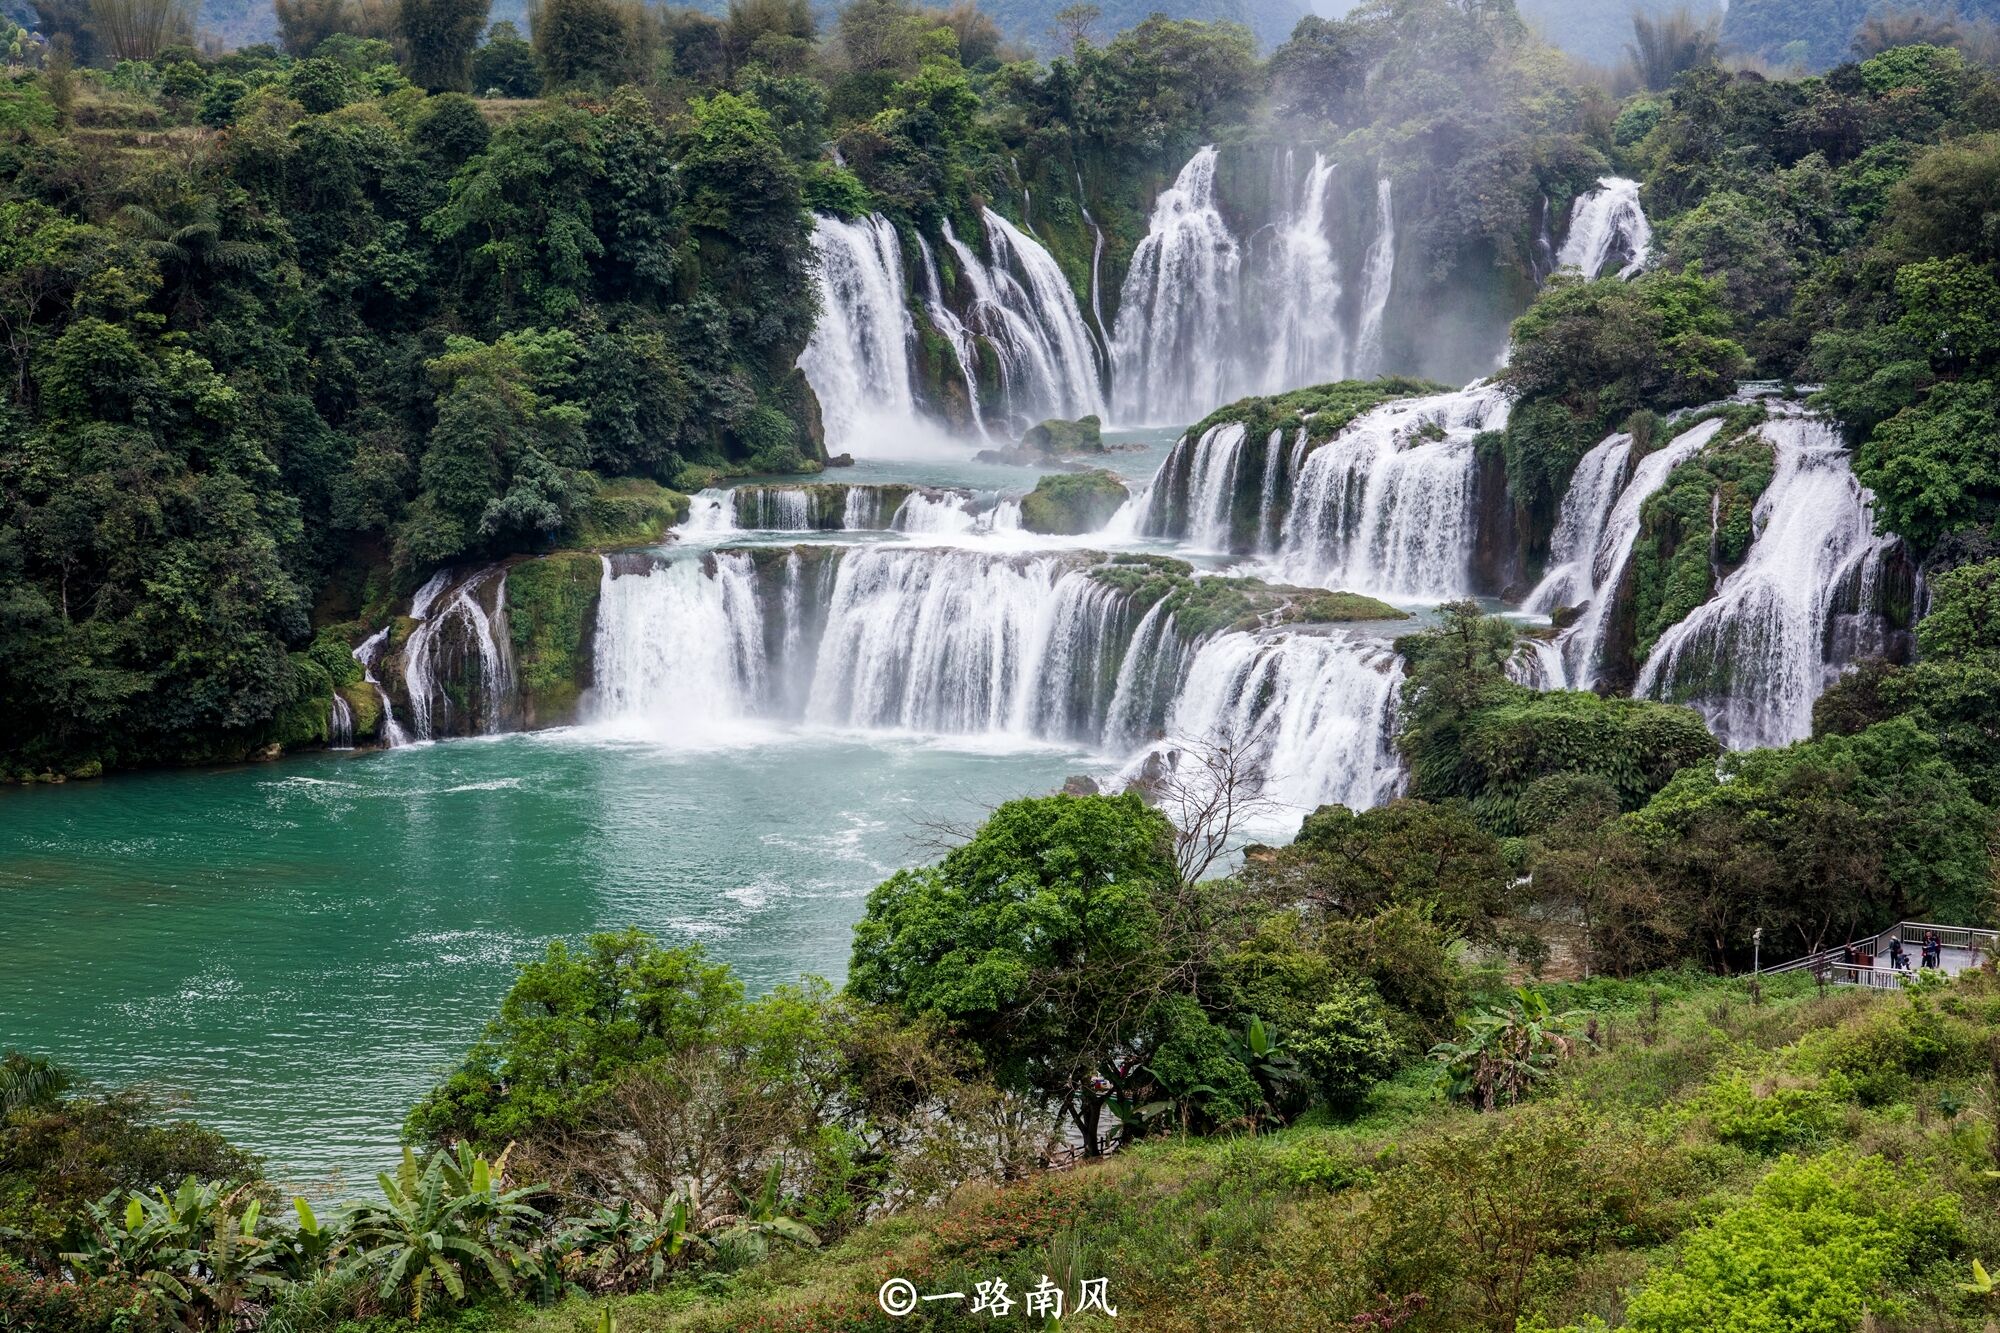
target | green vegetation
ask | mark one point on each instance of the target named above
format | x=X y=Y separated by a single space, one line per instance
x=1324 y=410
x=1211 y=603
x=551 y=603
x=1693 y=531
x=1072 y=503
x=1673 y=1153
x=1060 y=438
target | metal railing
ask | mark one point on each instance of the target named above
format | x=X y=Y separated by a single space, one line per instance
x=1833 y=961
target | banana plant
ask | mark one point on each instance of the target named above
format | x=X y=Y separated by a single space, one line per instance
x=437 y=1227
x=1505 y=1051
x=1134 y=1117
x=312 y=1247
x=198 y=1251
x=760 y=1223
x=1982 y=1283
x=1267 y=1059
x=631 y=1246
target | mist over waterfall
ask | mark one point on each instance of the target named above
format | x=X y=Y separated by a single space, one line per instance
x=1607 y=227
x=1206 y=317
x=1386 y=506
x=1755 y=655
x=858 y=358
x=1305 y=340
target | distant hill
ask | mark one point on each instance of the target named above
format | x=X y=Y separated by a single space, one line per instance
x=1817 y=34
x=1030 y=22
x=1593 y=30
x=1027 y=22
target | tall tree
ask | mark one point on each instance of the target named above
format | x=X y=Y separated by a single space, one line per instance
x=137 y=29
x=438 y=39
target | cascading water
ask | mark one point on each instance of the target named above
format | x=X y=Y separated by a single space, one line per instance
x=1172 y=343
x=946 y=321
x=1378 y=280
x=681 y=644
x=885 y=638
x=460 y=640
x=1386 y=506
x=1607 y=226
x=1023 y=306
x=1306 y=338
x=858 y=358
x=1586 y=505
x=710 y=511
x=367 y=653
x=340 y=724
x=1313 y=713
x=1753 y=657
x=1579 y=658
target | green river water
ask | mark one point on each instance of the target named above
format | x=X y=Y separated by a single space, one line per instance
x=298 y=948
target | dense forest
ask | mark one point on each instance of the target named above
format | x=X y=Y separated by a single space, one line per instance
x=293 y=328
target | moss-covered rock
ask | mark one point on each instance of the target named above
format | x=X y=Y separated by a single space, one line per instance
x=1216 y=603
x=365 y=704
x=1057 y=437
x=551 y=616
x=1072 y=503
x=1696 y=529
x=630 y=511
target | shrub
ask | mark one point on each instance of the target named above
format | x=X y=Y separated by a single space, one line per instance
x=1768 y=1121
x=1814 y=1244
x=1346 y=1046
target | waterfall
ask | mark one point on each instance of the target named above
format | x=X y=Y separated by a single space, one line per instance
x=946 y=321
x=340 y=724
x=1171 y=344
x=1315 y=713
x=1306 y=341
x=858 y=358
x=1386 y=506
x=1754 y=656
x=1582 y=645
x=1593 y=489
x=682 y=644
x=1096 y=260
x=962 y=642
x=931 y=511
x=1023 y=306
x=1211 y=490
x=1148 y=679
x=1377 y=281
x=457 y=639
x=882 y=638
x=710 y=511
x=370 y=649
x=1607 y=225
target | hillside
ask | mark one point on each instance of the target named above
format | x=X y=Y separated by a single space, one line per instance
x=1027 y=23
x=1704 y=1164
